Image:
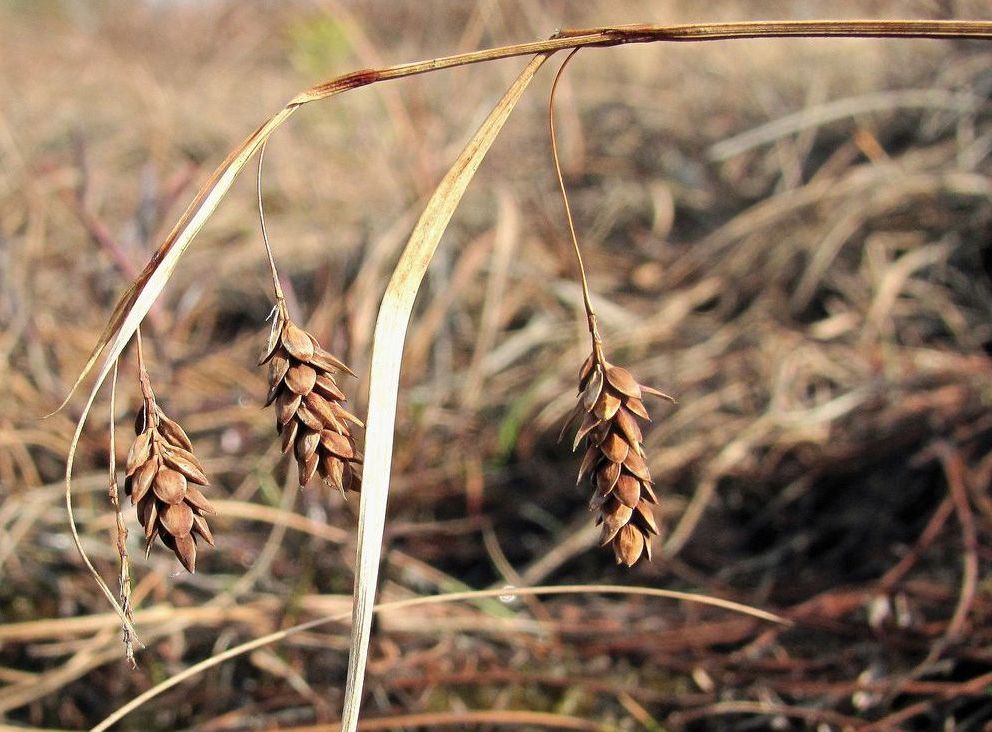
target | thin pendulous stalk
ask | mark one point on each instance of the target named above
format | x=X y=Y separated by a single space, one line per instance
x=276 y=287
x=147 y=395
x=586 y=299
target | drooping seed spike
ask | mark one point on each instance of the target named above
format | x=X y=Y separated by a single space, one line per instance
x=614 y=457
x=310 y=417
x=296 y=341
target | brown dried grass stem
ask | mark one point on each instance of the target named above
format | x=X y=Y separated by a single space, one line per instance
x=621 y=35
x=518 y=719
x=279 y=635
x=74 y=531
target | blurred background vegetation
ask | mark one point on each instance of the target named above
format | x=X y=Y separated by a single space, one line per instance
x=794 y=237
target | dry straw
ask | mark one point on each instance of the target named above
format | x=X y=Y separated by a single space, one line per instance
x=397 y=301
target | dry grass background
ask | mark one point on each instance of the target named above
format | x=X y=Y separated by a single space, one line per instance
x=819 y=301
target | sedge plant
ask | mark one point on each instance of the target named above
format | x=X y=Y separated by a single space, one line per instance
x=311 y=419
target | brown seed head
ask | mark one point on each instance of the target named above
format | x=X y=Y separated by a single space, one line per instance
x=309 y=415
x=163 y=481
x=609 y=405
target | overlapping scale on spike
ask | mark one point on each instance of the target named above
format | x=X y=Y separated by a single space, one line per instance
x=609 y=407
x=309 y=414
x=164 y=480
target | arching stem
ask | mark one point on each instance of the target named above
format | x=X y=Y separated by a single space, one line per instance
x=597 y=342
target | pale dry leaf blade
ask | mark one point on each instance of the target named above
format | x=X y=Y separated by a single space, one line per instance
x=387 y=351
